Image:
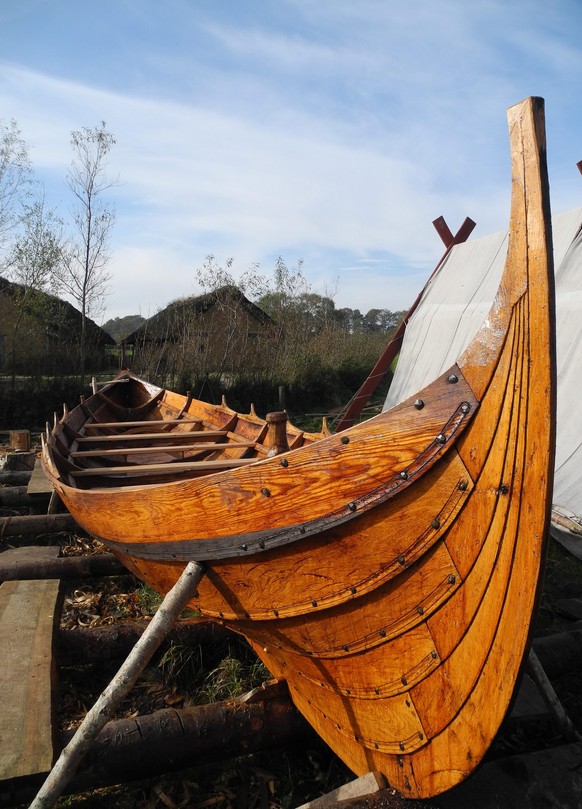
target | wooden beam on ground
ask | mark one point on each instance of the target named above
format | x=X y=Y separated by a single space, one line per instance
x=86 y=645
x=172 y=739
x=15 y=478
x=18 y=497
x=29 y=611
x=35 y=563
x=36 y=524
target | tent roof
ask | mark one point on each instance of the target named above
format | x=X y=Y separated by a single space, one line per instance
x=455 y=304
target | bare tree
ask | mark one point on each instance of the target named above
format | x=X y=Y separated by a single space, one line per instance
x=16 y=179
x=33 y=262
x=84 y=270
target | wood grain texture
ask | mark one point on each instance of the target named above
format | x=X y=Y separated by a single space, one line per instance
x=28 y=611
x=399 y=600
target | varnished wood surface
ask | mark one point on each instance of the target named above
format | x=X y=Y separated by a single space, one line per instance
x=401 y=629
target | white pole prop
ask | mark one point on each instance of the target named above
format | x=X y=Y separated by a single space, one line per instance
x=122 y=683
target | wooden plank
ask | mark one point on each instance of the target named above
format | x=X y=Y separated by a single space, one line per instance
x=199 y=447
x=28 y=612
x=366 y=785
x=158 y=436
x=39 y=483
x=97 y=425
x=170 y=468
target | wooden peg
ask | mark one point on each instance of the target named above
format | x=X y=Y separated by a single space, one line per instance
x=277 y=433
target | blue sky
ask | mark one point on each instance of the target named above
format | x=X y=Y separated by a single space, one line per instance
x=328 y=131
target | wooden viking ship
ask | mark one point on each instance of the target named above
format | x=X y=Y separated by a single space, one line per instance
x=389 y=572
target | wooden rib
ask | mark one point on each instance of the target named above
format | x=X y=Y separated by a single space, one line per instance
x=143 y=408
x=228 y=463
x=194 y=435
x=199 y=447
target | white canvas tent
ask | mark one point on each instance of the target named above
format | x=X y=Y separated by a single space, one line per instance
x=455 y=304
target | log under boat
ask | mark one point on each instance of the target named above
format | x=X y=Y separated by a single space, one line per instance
x=388 y=572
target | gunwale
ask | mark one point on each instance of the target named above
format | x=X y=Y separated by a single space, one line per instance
x=335 y=590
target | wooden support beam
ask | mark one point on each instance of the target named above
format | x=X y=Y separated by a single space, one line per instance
x=174 y=739
x=87 y=645
x=33 y=563
x=36 y=524
x=18 y=497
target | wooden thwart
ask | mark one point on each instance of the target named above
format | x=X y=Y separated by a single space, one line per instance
x=182 y=435
x=199 y=447
x=170 y=468
x=28 y=613
x=97 y=425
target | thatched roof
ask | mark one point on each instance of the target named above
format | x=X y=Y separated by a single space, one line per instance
x=166 y=324
x=60 y=319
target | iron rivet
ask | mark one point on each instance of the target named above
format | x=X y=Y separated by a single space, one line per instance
x=244 y=547
x=262 y=544
x=348 y=691
x=433 y=654
x=301 y=529
x=463 y=485
x=220 y=615
x=404 y=475
x=276 y=613
x=420 y=610
x=352 y=506
x=465 y=407
x=376 y=691
x=451 y=578
x=314 y=603
x=247 y=615
x=353 y=590
x=345 y=439
x=441 y=438
x=383 y=633
x=436 y=524
x=400 y=761
x=265 y=492
x=420 y=735
x=400 y=559
x=408 y=703
x=401 y=745
x=453 y=378
x=503 y=489
x=404 y=681
x=346 y=648
x=284 y=462
x=419 y=404
x=376 y=745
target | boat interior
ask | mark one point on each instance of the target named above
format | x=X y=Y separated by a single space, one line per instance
x=130 y=432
